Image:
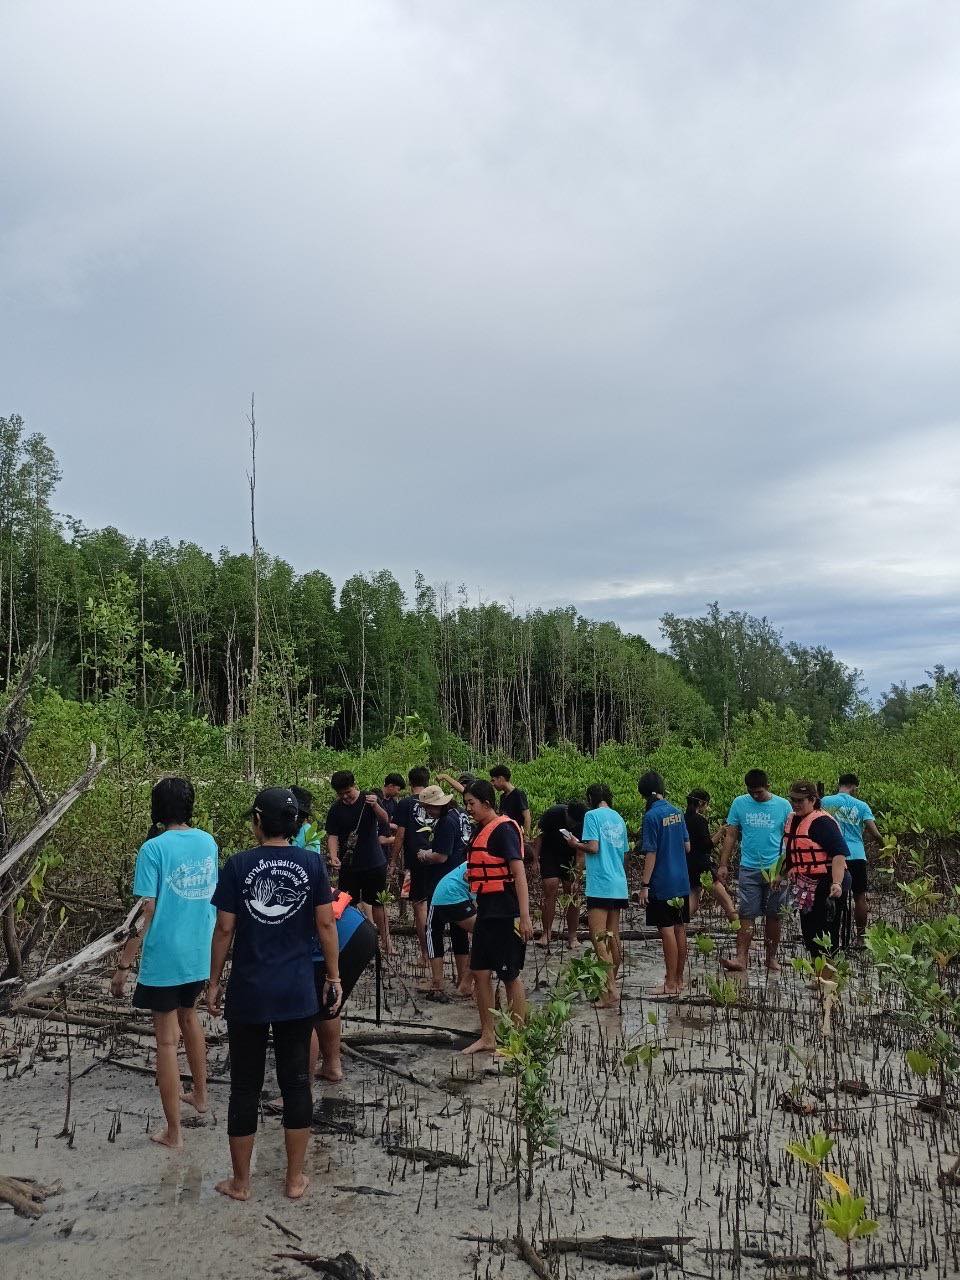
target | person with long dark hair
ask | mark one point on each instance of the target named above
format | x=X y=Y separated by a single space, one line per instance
x=273 y=903
x=175 y=874
x=700 y=859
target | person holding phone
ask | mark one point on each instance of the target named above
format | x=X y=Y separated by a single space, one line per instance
x=559 y=825
x=273 y=901
x=354 y=823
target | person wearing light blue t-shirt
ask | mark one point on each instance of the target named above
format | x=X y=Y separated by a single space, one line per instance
x=452 y=903
x=757 y=820
x=855 y=817
x=603 y=848
x=304 y=801
x=175 y=875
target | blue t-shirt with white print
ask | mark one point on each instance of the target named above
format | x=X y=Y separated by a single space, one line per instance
x=852 y=813
x=179 y=870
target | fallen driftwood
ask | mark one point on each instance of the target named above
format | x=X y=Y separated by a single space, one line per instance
x=525 y=1250
x=432 y=1159
x=630 y=1250
x=25 y=1196
x=425 y=1035
x=343 y=1267
x=15 y=991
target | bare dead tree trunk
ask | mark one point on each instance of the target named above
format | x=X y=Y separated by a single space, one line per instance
x=255 y=659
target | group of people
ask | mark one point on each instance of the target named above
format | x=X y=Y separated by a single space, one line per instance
x=298 y=946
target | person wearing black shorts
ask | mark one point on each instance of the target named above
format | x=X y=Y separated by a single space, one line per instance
x=357 y=940
x=700 y=860
x=353 y=844
x=495 y=872
x=558 y=865
x=411 y=838
x=665 y=885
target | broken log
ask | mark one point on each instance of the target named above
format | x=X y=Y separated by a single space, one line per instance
x=25 y=1196
x=343 y=1267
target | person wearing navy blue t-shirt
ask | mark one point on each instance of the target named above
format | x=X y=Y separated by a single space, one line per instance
x=665 y=886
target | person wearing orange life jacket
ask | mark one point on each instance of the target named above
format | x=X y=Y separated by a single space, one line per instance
x=815 y=864
x=358 y=940
x=495 y=873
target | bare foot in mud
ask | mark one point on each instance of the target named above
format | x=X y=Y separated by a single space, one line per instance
x=608 y=1002
x=295 y=1188
x=664 y=990
x=331 y=1072
x=199 y=1104
x=733 y=966
x=480 y=1046
x=232 y=1189
x=164 y=1138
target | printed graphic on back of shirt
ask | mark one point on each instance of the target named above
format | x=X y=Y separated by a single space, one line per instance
x=193 y=880
x=274 y=890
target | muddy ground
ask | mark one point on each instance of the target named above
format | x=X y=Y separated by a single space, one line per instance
x=692 y=1148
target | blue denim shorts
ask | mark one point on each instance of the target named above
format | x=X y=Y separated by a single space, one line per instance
x=756 y=897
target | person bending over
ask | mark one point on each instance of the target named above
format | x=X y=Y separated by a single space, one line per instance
x=272 y=902
x=175 y=874
x=495 y=873
x=452 y=904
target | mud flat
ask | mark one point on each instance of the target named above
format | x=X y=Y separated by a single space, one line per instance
x=415 y=1177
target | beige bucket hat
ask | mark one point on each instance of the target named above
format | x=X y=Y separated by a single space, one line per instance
x=434 y=796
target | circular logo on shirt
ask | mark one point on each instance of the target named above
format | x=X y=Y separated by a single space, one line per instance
x=275 y=890
x=193 y=880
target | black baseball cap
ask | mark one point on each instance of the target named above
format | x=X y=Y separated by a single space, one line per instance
x=274 y=802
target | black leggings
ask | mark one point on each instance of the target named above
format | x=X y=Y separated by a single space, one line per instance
x=248 y=1061
x=826 y=915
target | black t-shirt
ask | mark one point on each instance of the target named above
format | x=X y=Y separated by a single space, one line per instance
x=412 y=816
x=345 y=819
x=701 y=842
x=448 y=839
x=552 y=843
x=512 y=805
x=273 y=891
x=505 y=843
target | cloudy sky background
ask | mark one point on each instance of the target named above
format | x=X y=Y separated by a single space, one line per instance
x=627 y=305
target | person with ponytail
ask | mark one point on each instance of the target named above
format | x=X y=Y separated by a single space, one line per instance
x=175 y=874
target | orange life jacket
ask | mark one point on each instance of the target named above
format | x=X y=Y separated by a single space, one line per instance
x=488 y=872
x=340 y=904
x=802 y=853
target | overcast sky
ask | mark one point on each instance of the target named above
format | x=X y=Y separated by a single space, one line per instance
x=629 y=305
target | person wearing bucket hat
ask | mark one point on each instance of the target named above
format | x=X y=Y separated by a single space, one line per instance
x=272 y=902
x=665 y=881
x=445 y=852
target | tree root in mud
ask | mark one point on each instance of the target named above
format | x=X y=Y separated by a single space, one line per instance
x=25 y=1196
x=343 y=1267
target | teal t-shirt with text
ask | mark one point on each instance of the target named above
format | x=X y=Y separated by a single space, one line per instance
x=761 y=826
x=852 y=813
x=179 y=870
x=606 y=875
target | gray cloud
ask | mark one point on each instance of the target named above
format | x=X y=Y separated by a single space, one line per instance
x=631 y=306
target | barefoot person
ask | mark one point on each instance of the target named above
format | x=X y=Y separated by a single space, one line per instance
x=757 y=820
x=855 y=817
x=558 y=864
x=411 y=837
x=357 y=942
x=446 y=851
x=815 y=864
x=175 y=874
x=272 y=901
x=665 y=883
x=495 y=873
x=700 y=859
x=452 y=904
x=604 y=847
x=354 y=824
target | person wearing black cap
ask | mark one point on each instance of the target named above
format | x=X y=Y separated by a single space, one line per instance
x=665 y=884
x=272 y=901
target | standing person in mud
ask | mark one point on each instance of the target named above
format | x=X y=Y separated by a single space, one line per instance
x=446 y=851
x=272 y=902
x=757 y=820
x=513 y=802
x=353 y=844
x=558 y=864
x=175 y=874
x=700 y=859
x=855 y=817
x=665 y=882
x=815 y=864
x=495 y=873
x=604 y=847
x=413 y=837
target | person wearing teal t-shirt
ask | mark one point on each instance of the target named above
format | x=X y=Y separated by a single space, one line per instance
x=855 y=817
x=603 y=848
x=175 y=875
x=757 y=820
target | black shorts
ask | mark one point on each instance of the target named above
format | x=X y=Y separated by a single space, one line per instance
x=858 y=876
x=661 y=915
x=166 y=999
x=364 y=886
x=354 y=958
x=497 y=947
x=607 y=904
x=452 y=914
x=422 y=883
x=554 y=866
x=696 y=867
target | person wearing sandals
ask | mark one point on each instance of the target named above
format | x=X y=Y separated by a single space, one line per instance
x=604 y=847
x=175 y=874
x=665 y=881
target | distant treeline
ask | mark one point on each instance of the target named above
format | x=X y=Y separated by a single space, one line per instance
x=176 y=624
